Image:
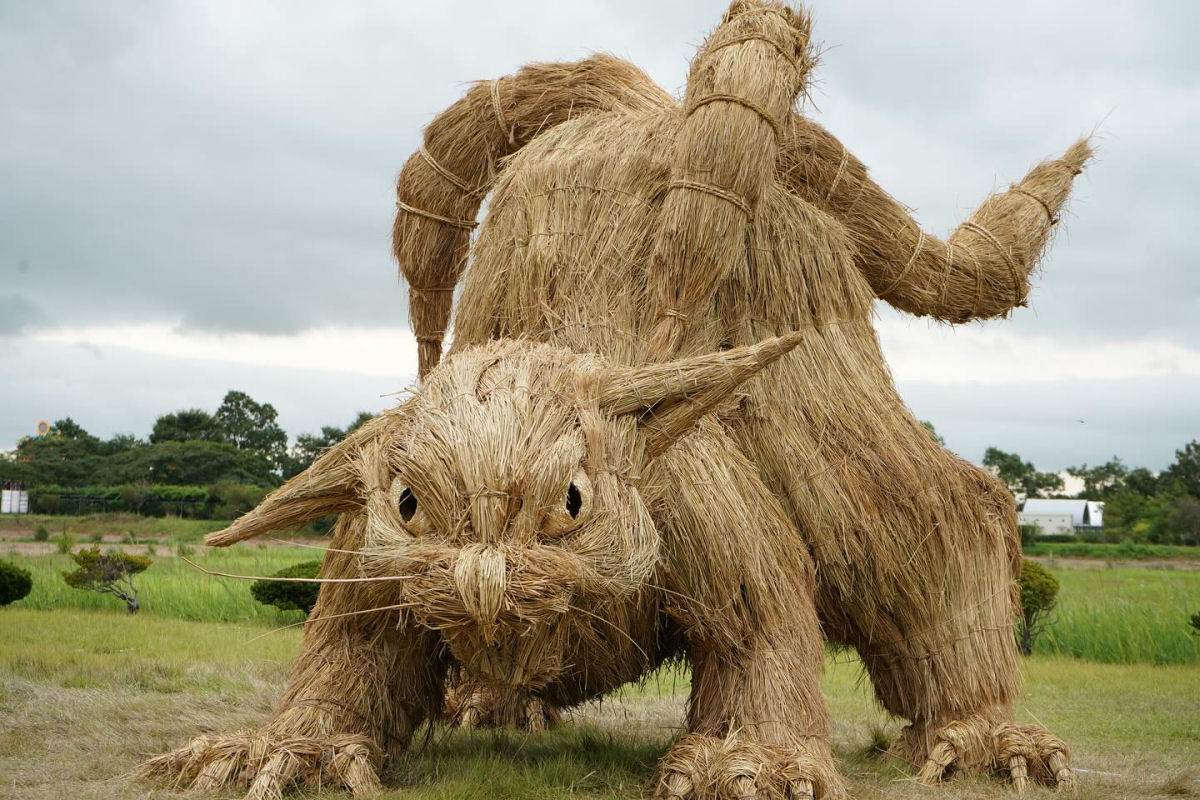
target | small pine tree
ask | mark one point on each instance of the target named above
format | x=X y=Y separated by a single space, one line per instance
x=15 y=583
x=1039 y=595
x=288 y=595
x=108 y=573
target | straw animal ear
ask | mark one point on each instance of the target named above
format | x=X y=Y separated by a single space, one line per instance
x=670 y=397
x=329 y=486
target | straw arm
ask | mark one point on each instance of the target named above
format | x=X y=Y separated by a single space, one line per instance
x=441 y=187
x=981 y=271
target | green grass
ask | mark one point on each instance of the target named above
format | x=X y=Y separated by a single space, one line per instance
x=1124 y=615
x=1124 y=551
x=172 y=588
x=86 y=696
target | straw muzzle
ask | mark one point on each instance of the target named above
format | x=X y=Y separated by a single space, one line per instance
x=503 y=609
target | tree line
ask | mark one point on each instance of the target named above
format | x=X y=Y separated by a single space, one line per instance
x=1139 y=505
x=222 y=460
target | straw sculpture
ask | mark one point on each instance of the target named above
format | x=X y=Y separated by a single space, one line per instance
x=559 y=523
x=546 y=518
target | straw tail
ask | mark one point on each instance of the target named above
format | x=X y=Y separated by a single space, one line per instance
x=982 y=271
x=670 y=398
x=741 y=87
x=441 y=187
x=328 y=486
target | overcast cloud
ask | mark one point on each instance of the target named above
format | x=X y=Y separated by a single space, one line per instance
x=196 y=196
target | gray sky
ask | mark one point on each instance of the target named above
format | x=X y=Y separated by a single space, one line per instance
x=196 y=196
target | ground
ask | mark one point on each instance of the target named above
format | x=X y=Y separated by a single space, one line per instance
x=87 y=692
x=86 y=695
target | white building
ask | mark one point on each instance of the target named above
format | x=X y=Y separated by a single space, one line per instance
x=1061 y=516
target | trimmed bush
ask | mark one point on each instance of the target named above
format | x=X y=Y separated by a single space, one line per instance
x=108 y=573
x=286 y=595
x=15 y=583
x=1039 y=594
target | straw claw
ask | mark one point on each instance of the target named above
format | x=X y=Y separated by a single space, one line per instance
x=1026 y=754
x=266 y=765
x=710 y=768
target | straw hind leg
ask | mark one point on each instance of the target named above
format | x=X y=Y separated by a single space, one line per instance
x=948 y=660
x=360 y=686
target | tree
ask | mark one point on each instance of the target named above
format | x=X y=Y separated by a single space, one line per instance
x=1098 y=482
x=1020 y=476
x=70 y=429
x=190 y=463
x=59 y=460
x=1142 y=481
x=1185 y=472
x=120 y=443
x=15 y=582
x=108 y=573
x=1039 y=595
x=290 y=595
x=1184 y=520
x=309 y=446
x=189 y=425
x=251 y=425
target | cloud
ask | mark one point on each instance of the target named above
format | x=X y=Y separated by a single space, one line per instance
x=213 y=182
x=18 y=314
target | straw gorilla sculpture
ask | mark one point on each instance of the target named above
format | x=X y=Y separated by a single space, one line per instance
x=634 y=250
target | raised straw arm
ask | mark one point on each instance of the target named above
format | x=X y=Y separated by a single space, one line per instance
x=441 y=187
x=981 y=271
x=740 y=89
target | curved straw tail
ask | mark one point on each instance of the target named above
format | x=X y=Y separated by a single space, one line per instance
x=441 y=187
x=981 y=271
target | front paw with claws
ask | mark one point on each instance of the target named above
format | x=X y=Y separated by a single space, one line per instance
x=1022 y=752
x=708 y=768
x=264 y=764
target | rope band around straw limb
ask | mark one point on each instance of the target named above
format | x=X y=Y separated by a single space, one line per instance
x=741 y=101
x=912 y=260
x=468 y=224
x=446 y=174
x=754 y=37
x=837 y=176
x=422 y=292
x=499 y=112
x=1012 y=267
x=715 y=191
x=1049 y=214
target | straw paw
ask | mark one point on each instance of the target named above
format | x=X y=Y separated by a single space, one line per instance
x=266 y=764
x=496 y=706
x=709 y=768
x=1021 y=751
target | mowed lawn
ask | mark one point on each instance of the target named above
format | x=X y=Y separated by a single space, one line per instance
x=86 y=695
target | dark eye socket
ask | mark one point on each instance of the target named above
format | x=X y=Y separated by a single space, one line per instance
x=574 y=501
x=407 y=505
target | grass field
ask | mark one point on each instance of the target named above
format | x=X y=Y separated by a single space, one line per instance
x=86 y=691
x=85 y=695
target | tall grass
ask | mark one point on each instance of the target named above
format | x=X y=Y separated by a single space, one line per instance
x=172 y=588
x=1125 y=615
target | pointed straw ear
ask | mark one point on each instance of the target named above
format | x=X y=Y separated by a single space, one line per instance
x=669 y=398
x=329 y=486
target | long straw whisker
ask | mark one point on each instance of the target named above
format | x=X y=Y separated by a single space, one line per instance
x=217 y=574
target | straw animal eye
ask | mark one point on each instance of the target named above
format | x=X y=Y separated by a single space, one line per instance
x=570 y=511
x=406 y=504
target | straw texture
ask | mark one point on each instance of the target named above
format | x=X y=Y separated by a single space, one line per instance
x=591 y=482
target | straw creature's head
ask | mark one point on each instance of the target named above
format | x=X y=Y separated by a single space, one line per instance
x=504 y=494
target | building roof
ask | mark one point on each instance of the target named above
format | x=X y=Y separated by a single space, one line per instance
x=1083 y=512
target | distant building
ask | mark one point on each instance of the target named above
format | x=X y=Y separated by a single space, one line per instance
x=1057 y=517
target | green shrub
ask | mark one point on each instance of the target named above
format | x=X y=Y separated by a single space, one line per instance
x=108 y=573
x=15 y=583
x=1029 y=534
x=288 y=595
x=1195 y=621
x=41 y=534
x=65 y=542
x=1039 y=594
